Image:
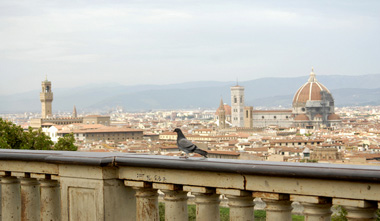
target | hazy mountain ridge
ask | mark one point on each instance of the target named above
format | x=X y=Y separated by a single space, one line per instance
x=265 y=92
x=342 y=97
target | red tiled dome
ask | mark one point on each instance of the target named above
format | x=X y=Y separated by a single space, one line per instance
x=310 y=91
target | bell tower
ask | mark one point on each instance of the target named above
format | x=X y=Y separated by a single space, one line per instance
x=237 y=106
x=46 y=97
x=222 y=115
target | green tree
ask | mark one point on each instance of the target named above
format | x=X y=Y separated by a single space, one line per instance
x=3 y=143
x=66 y=143
x=11 y=136
x=37 y=140
x=14 y=137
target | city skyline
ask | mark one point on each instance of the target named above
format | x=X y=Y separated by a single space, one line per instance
x=144 y=42
x=261 y=93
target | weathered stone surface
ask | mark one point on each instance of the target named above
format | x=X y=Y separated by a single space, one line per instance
x=115 y=186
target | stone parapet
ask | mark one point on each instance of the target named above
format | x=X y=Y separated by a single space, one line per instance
x=115 y=186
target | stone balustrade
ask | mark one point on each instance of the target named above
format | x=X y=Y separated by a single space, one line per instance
x=56 y=185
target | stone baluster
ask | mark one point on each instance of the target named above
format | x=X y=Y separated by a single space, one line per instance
x=278 y=205
x=1 y=175
x=50 y=198
x=146 y=200
x=175 y=201
x=30 y=198
x=240 y=203
x=315 y=208
x=10 y=197
x=358 y=209
x=206 y=201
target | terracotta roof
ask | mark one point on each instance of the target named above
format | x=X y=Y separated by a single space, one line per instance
x=301 y=117
x=168 y=147
x=333 y=117
x=245 y=144
x=290 y=149
x=257 y=149
x=106 y=130
x=210 y=130
x=295 y=141
x=89 y=126
x=227 y=108
x=47 y=124
x=224 y=153
x=168 y=133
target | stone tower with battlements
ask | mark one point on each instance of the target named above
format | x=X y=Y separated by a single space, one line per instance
x=237 y=106
x=46 y=97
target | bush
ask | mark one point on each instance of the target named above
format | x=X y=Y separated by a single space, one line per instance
x=340 y=215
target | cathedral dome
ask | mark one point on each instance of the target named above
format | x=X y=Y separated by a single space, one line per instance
x=310 y=91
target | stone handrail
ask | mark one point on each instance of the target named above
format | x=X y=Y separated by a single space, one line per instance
x=60 y=185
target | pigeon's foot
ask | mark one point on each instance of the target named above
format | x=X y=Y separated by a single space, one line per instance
x=184 y=157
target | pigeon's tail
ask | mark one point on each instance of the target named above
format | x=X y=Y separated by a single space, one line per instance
x=201 y=152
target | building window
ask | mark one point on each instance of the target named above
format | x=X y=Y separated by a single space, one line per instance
x=274 y=117
x=241 y=99
x=235 y=100
x=262 y=117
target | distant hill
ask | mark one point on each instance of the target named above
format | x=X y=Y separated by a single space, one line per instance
x=264 y=92
x=343 y=97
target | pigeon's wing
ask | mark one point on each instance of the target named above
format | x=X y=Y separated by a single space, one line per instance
x=186 y=145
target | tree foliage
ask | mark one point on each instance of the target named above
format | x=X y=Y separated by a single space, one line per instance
x=14 y=137
x=66 y=143
x=37 y=140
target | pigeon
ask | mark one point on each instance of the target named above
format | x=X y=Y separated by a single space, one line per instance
x=186 y=145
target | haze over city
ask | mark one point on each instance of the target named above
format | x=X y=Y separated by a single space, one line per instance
x=146 y=42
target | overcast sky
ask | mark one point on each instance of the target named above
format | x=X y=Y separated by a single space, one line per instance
x=158 y=42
